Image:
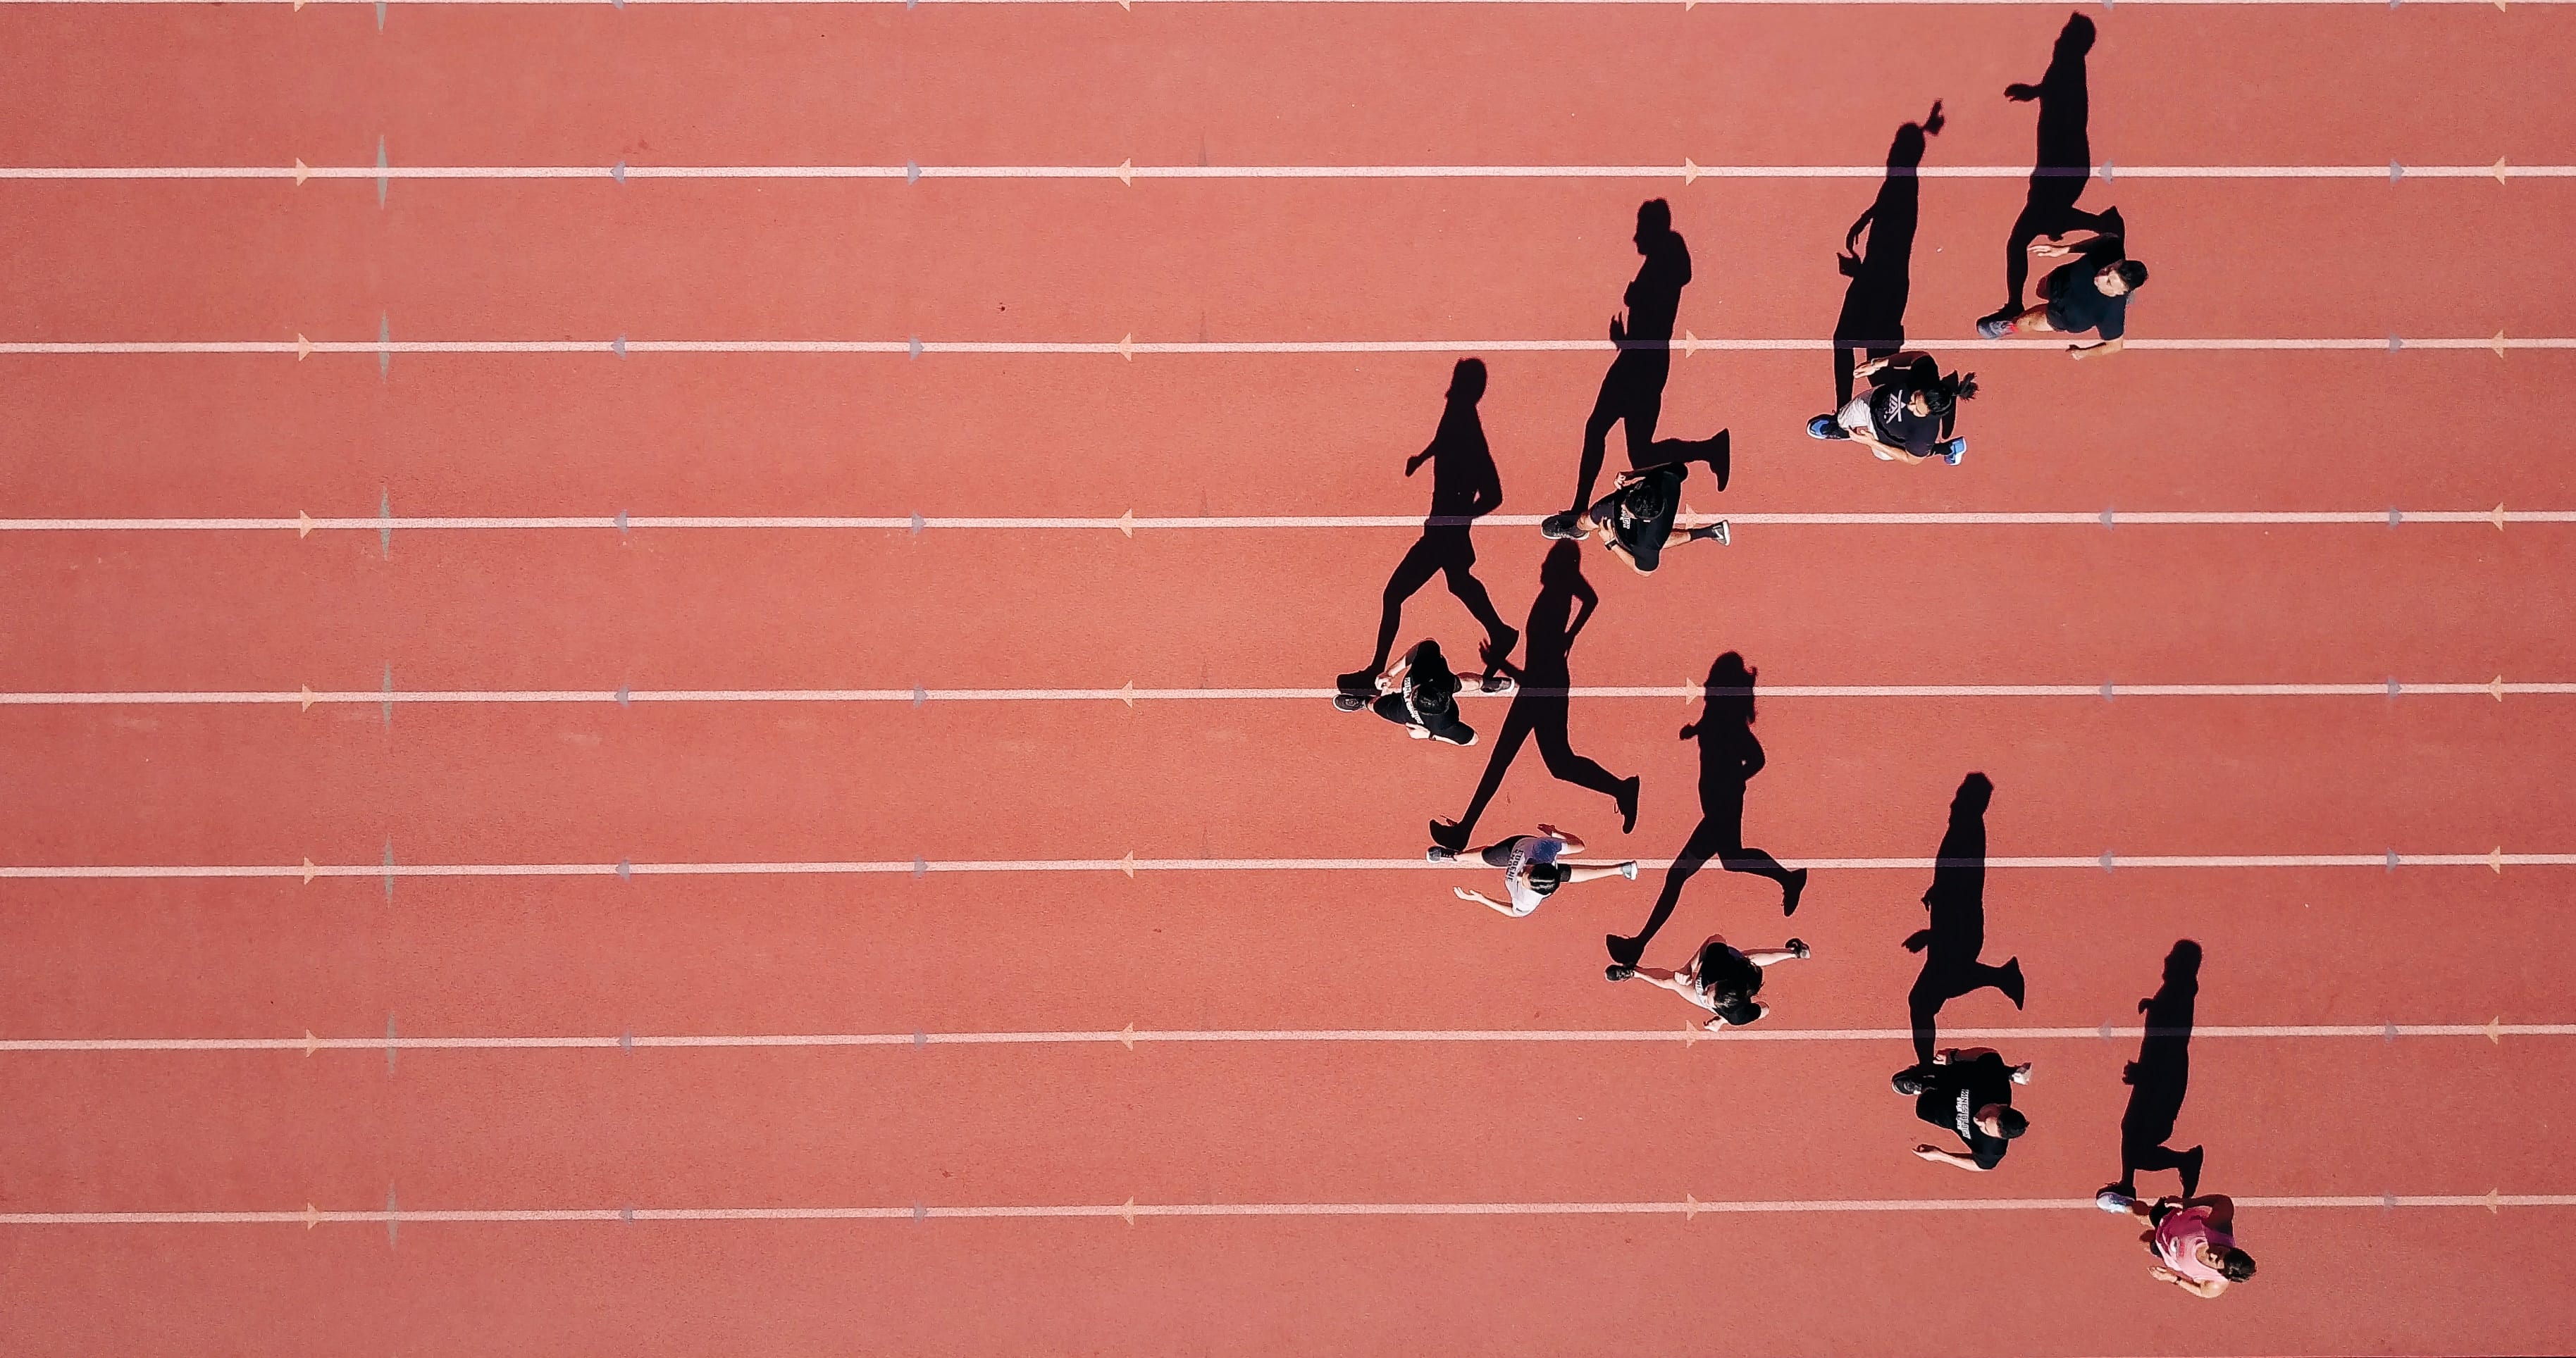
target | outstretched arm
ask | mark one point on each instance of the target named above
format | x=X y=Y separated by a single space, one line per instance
x=1466 y=893
x=1940 y=1156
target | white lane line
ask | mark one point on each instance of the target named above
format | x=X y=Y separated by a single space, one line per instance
x=1126 y=173
x=1129 y=348
x=2496 y=860
x=1687 y=1207
x=1129 y=1037
x=2496 y=689
x=1130 y=524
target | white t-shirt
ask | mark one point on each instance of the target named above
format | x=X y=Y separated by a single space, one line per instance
x=1533 y=849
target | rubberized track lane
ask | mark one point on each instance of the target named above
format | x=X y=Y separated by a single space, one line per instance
x=1223 y=435
x=1260 y=780
x=272 y=959
x=1255 y=84
x=1093 y=261
x=1233 y=1124
x=884 y=609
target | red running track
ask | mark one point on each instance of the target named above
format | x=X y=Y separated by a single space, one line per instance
x=2313 y=1130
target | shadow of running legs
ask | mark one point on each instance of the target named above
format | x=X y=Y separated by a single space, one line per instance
x=1882 y=274
x=1729 y=757
x=2063 y=163
x=1541 y=707
x=1632 y=392
x=1464 y=488
x=2160 y=1076
x=1957 y=933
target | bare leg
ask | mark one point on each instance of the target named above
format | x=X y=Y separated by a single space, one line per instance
x=1578 y=873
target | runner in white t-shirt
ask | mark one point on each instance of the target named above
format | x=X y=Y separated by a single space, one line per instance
x=1534 y=866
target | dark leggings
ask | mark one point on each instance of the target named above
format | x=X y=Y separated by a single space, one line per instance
x=1499 y=855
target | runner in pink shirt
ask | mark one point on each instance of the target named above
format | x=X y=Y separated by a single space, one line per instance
x=2192 y=1239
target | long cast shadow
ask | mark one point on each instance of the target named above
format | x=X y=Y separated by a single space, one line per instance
x=1632 y=392
x=1957 y=930
x=1729 y=757
x=1464 y=487
x=2159 y=1077
x=1882 y=273
x=1557 y=616
x=2064 y=162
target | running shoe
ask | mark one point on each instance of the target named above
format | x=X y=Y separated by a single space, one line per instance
x=2114 y=1201
x=1616 y=972
x=1436 y=854
x=1629 y=870
x=1715 y=532
x=1798 y=946
x=1559 y=526
x=1953 y=450
x=1826 y=427
x=1996 y=326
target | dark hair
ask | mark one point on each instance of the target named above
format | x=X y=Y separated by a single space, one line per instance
x=1729 y=980
x=2133 y=273
x=1646 y=499
x=1944 y=393
x=2009 y=1123
x=1655 y=215
x=1908 y=1080
x=2235 y=1265
x=1545 y=878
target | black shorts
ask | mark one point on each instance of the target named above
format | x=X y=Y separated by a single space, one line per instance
x=1500 y=855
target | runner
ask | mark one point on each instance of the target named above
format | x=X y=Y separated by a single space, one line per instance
x=1967 y=1091
x=2193 y=1240
x=1908 y=414
x=2090 y=294
x=1719 y=979
x=1420 y=694
x=1534 y=866
x=1636 y=518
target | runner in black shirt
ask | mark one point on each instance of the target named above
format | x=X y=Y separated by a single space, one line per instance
x=1720 y=978
x=1908 y=413
x=1968 y=1092
x=1636 y=517
x=2090 y=294
x=1421 y=695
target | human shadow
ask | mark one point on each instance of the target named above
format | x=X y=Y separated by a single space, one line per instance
x=1882 y=272
x=1541 y=706
x=1957 y=930
x=1632 y=392
x=2159 y=1077
x=2064 y=160
x=1464 y=487
x=1729 y=757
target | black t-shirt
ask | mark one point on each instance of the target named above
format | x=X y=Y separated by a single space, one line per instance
x=2075 y=300
x=1953 y=1093
x=1641 y=514
x=1891 y=412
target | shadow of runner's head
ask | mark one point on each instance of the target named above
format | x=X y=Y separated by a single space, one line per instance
x=1976 y=793
x=2075 y=40
x=1654 y=222
x=1728 y=691
x=1467 y=381
x=1563 y=567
